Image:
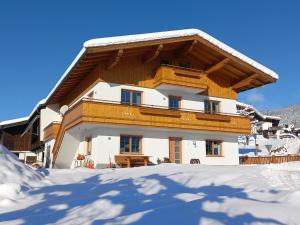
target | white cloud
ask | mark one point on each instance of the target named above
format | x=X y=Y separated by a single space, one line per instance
x=256 y=98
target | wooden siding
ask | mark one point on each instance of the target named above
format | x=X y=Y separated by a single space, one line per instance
x=131 y=71
x=19 y=143
x=51 y=131
x=87 y=111
x=99 y=112
x=180 y=77
x=216 y=117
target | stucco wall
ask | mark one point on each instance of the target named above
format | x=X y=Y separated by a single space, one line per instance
x=48 y=115
x=155 y=143
x=112 y=92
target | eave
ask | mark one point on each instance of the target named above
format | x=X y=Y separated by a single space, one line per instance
x=220 y=58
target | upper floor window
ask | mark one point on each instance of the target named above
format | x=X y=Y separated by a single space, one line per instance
x=129 y=97
x=211 y=106
x=130 y=144
x=174 y=102
x=213 y=148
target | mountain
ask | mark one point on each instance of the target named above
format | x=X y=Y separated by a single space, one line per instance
x=289 y=115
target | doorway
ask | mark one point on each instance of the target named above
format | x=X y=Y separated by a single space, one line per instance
x=175 y=150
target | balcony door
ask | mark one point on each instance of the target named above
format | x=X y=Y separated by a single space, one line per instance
x=175 y=150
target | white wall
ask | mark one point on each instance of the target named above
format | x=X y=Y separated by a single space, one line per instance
x=67 y=151
x=112 y=92
x=48 y=115
x=155 y=143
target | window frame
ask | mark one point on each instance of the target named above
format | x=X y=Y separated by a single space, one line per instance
x=130 y=145
x=211 y=106
x=212 y=148
x=131 y=97
x=179 y=101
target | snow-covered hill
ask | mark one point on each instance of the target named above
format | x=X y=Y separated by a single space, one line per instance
x=289 y=115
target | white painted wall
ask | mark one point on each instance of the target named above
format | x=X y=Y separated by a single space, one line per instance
x=155 y=142
x=67 y=152
x=112 y=92
x=48 y=115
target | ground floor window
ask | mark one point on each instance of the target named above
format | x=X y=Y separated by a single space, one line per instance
x=213 y=148
x=130 y=144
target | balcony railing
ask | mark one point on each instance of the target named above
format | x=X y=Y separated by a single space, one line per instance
x=179 y=76
x=111 y=112
x=51 y=131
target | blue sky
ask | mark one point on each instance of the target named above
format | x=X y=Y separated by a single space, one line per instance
x=39 y=39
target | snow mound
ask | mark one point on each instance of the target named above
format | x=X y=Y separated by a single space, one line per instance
x=15 y=177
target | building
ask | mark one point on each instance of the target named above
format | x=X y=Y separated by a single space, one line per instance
x=22 y=137
x=142 y=99
x=261 y=124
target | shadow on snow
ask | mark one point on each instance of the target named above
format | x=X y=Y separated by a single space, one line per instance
x=111 y=202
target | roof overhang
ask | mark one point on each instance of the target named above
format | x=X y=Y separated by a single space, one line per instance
x=246 y=72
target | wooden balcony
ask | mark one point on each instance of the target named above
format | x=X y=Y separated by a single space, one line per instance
x=159 y=112
x=100 y=112
x=177 y=76
x=51 y=131
x=111 y=113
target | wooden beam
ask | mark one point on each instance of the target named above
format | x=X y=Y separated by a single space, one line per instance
x=114 y=59
x=244 y=82
x=152 y=55
x=217 y=66
x=187 y=49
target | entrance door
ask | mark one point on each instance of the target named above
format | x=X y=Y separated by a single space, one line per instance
x=175 y=149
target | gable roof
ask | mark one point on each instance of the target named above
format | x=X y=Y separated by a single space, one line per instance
x=175 y=34
x=132 y=41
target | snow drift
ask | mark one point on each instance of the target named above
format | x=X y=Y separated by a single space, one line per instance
x=15 y=177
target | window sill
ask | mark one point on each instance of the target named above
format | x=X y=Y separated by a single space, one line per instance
x=214 y=156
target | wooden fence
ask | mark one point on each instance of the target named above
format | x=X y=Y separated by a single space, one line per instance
x=269 y=159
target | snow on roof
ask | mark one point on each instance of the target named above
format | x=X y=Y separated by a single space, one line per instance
x=98 y=42
x=174 y=34
x=41 y=102
x=18 y=120
x=263 y=116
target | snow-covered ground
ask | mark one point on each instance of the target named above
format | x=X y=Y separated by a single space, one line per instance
x=164 y=194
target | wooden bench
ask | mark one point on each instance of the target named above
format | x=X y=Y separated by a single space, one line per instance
x=131 y=160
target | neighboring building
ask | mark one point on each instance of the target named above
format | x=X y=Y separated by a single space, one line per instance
x=22 y=137
x=160 y=96
x=261 y=124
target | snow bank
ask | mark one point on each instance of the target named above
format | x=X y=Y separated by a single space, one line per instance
x=163 y=194
x=15 y=177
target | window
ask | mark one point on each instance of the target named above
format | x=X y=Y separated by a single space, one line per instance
x=130 y=144
x=88 y=150
x=211 y=106
x=174 y=102
x=213 y=148
x=129 y=97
